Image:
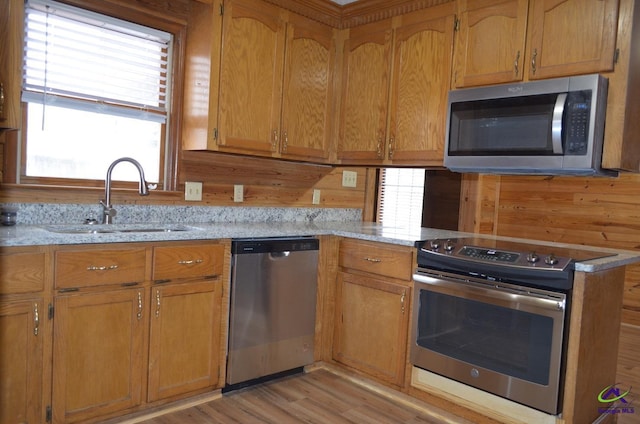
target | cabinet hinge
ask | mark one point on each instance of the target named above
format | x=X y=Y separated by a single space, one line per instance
x=51 y=310
x=616 y=56
x=215 y=134
x=456 y=24
x=48 y=414
x=221 y=9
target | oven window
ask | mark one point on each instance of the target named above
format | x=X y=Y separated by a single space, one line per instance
x=508 y=341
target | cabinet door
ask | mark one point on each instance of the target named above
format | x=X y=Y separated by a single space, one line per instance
x=569 y=37
x=98 y=353
x=422 y=71
x=11 y=19
x=490 y=43
x=21 y=361
x=201 y=76
x=365 y=93
x=308 y=84
x=371 y=327
x=184 y=352
x=250 y=77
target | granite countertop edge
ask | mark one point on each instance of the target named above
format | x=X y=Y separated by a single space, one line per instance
x=34 y=235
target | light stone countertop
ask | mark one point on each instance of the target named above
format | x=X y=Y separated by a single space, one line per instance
x=30 y=235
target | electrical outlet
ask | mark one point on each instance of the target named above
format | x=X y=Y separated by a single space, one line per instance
x=316 y=196
x=349 y=179
x=238 y=193
x=193 y=191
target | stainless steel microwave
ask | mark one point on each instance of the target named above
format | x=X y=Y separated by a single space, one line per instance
x=547 y=127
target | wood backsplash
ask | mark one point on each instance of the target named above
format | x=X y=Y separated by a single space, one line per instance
x=593 y=211
x=267 y=182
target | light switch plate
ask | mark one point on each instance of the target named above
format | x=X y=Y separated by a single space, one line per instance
x=238 y=193
x=316 y=196
x=349 y=179
x=193 y=191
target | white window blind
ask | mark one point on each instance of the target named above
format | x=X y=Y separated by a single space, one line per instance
x=81 y=60
x=400 y=197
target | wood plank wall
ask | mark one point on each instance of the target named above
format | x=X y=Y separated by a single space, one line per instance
x=267 y=183
x=592 y=211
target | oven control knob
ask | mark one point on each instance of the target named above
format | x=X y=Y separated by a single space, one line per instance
x=551 y=259
x=449 y=245
x=532 y=258
x=435 y=244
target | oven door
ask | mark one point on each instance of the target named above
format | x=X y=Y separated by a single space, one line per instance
x=500 y=338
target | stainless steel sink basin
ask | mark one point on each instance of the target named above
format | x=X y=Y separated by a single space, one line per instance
x=118 y=228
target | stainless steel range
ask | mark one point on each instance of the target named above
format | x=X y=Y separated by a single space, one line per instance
x=492 y=314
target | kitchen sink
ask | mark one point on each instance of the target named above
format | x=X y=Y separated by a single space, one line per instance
x=117 y=228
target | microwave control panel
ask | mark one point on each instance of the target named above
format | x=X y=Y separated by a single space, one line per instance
x=576 y=120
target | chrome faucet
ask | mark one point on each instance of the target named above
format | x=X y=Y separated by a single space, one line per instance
x=108 y=212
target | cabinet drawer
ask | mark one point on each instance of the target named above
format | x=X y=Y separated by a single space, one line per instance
x=173 y=262
x=377 y=258
x=22 y=272
x=99 y=267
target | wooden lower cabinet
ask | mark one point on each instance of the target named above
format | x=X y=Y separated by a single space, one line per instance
x=21 y=361
x=184 y=351
x=371 y=324
x=98 y=353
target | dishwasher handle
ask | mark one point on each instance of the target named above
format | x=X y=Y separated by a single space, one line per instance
x=279 y=255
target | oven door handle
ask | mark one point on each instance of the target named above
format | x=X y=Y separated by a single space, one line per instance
x=493 y=293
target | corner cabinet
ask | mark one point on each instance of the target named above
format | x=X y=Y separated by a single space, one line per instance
x=25 y=334
x=373 y=298
x=501 y=41
x=396 y=75
x=270 y=92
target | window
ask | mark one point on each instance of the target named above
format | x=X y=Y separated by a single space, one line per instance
x=400 y=197
x=95 y=89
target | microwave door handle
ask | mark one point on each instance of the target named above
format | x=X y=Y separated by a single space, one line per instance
x=556 y=124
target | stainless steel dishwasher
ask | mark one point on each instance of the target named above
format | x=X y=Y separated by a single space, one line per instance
x=273 y=307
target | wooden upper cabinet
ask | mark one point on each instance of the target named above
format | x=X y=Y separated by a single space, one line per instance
x=365 y=93
x=11 y=19
x=244 y=95
x=490 y=43
x=308 y=87
x=421 y=80
x=397 y=117
x=201 y=76
x=570 y=37
x=563 y=38
x=253 y=38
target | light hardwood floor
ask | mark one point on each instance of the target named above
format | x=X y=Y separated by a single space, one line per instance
x=318 y=396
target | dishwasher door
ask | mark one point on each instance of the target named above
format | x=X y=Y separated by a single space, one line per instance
x=273 y=307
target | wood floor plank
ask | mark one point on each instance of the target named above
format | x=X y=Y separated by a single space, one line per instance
x=316 y=397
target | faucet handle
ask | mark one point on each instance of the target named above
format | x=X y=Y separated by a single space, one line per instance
x=152 y=186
